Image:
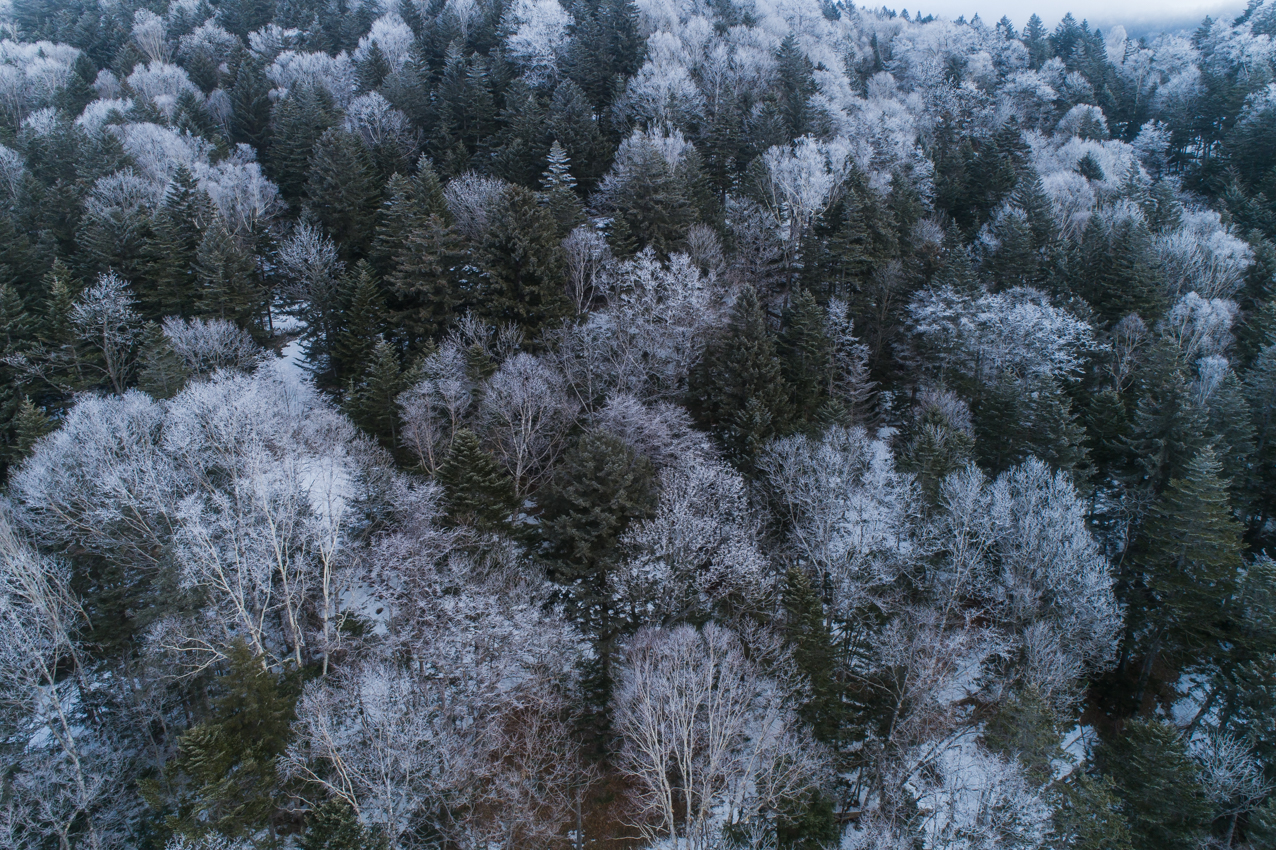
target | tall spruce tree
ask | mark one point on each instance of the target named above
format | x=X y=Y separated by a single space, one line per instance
x=737 y=389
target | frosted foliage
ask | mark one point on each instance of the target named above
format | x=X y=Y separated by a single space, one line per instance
x=539 y=31
x=149 y=36
x=158 y=151
x=645 y=341
x=1231 y=776
x=392 y=36
x=100 y=111
x=12 y=170
x=700 y=549
x=1203 y=257
x=1015 y=333
x=208 y=345
x=527 y=413
x=209 y=40
x=271 y=40
x=974 y=800
x=707 y=737
x=850 y=515
x=31 y=74
x=242 y=195
x=661 y=432
x=470 y=198
x=435 y=408
x=1080 y=118
x=161 y=83
x=380 y=125
x=293 y=68
x=247 y=483
x=801 y=180
x=1200 y=326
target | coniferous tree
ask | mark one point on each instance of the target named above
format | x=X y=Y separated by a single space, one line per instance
x=342 y=190
x=806 y=356
x=522 y=266
x=227 y=279
x=806 y=629
x=1158 y=785
x=250 y=106
x=362 y=319
x=1190 y=552
x=371 y=401
x=558 y=191
x=598 y=489
x=228 y=761
x=737 y=390
x=298 y=122
x=477 y=489
x=172 y=288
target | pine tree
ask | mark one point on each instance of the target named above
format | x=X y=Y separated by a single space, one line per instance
x=522 y=266
x=1260 y=393
x=343 y=190
x=477 y=489
x=1087 y=815
x=737 y=390
x=1158 y=786
x=1090 y=169
x=333 y=825
x=598 y=489
x=572 y=122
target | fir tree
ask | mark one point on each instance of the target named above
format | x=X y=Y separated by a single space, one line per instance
x=250 y=106
x=1190 y=550
x=522 y=266
x=476 y=488
x=298 y=122
x=343 y=191
x=806 y=356
x=1158 y=785
x=362 y=321
x=173 y=247
x=807 y=632
x=226 y=274
x=598 y=489
x=228 y=760
x=373 y=401
x=558 y=191
x=737 y=390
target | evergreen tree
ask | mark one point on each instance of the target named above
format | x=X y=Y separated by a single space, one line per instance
x=29 y=424
x=343 y=191
x=1158 y=785
x=226 y=274
x=795 y=83
x=558 y=191
x=362 y=320
x=806 y=356
x=1190 y=550
x=807 y=632
x=172 y=287
x=225 y=768
x=1087 y=815
x=250 y=106
x=598 y=489
x=298 y=122
x=522 y=266
x=476 y=488
x=333 y=825
x=737 y=389
x=372 y=402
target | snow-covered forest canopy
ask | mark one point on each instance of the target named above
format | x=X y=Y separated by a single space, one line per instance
x=601 y=424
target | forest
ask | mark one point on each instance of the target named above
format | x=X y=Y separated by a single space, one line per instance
x=608 y=424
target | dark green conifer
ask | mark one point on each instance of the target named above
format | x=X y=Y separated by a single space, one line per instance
x=477 y=489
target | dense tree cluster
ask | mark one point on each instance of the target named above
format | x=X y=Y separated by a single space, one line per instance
x=521 y=424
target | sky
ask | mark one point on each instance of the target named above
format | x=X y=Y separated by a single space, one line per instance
x=1139 y=17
